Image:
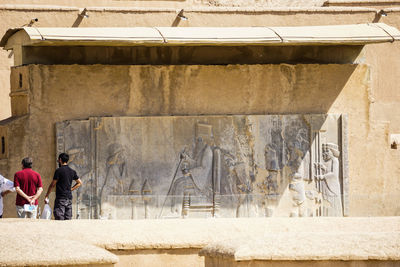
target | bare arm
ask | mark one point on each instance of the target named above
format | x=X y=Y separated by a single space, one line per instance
x=37 y=195
x=22 y=194
x=51 y=186
x=77 y=184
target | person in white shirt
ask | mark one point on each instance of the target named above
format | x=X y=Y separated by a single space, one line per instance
x=6 y=186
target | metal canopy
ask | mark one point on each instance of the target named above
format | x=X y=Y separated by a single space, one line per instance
x=358 y=34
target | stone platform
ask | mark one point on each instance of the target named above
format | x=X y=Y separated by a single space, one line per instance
x=307 y=249
x=178 y=242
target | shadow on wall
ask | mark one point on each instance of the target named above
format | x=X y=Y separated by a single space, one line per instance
x=227 y=166
x=154 y=90
x=239 y=89
x=192 y=55
x=161 y=93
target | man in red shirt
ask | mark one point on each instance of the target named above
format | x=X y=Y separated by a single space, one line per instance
x=28 y=185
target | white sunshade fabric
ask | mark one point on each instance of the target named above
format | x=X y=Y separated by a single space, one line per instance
x=303 y=35
x=138 y=34
x=175 y=35
x=338 y=33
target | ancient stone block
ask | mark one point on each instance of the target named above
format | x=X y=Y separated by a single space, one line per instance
x=227 y=166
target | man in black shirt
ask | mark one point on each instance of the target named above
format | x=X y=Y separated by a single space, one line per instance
x=62 y=180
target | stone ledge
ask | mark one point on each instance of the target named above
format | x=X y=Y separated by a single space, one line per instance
x=192 y=9
x=133 y=9
x=362 y=2
x=392 y=9
x=38 y=8
x=297 y=247
x=24 y=248
x=236 y=9
x=82 y=242
x=189 y=233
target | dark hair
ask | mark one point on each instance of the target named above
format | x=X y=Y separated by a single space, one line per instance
x=27 y=162
x=64 y=157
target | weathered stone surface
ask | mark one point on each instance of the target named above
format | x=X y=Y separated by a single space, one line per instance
x=151 y=237
x=255 y=165
x=37 y=248
x=302 y=246
x=151 y=13
x=191 y=233
x=226 y=262
x=211 y=90
x=174 y=257
x=172 y=3
x=195 y=55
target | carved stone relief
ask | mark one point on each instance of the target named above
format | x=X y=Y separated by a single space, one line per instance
x=226 y=166
x=74 y=138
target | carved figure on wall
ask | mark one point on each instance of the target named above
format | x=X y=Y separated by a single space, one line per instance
x=78 y=162
x=297 y=150
x=263 y=165
x=278 y=143
x=199 y=168
x=238 y=181
x=201 y=161
x=272 y=166
x=329 y=179
x=147 y=197
x=115 y=171
x=200 y=165
x=297 y=188
x=183 y=184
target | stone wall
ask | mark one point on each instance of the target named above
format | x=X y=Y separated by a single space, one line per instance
x=379 y=56
x=236 y=166
x=374 y=105
x=161 y=13
x=172 y=3
x=58 y=93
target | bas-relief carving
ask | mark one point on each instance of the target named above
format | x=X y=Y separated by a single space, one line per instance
x=73 y=137
x=227 y=166
x=328 y=179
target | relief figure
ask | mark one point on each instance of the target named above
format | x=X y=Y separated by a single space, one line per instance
x=238 y=181
x=201 y=165
x=185 y=184
x=275 y=164
x=298 y=191
x=198 y=169
x=297 y=151
x=115 y=171
x=329 y=179
x=272 y=166
x=79 y=162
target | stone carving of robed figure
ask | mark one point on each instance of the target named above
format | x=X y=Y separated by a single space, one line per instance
x=329 y=179
x=198 y=170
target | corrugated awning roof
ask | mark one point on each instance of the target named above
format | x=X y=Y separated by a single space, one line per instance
x=305 y=35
